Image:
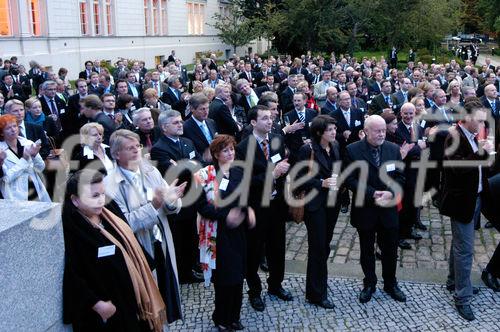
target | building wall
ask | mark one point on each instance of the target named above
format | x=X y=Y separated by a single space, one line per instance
x=63 y=45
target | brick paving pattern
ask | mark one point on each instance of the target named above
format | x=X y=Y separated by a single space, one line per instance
x=429 y=308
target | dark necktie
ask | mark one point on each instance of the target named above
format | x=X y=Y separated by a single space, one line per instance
x=301 y=116
x=53 y=108
x=265 y=147
x=149 y=144
x=111 y=116
x=376 y=156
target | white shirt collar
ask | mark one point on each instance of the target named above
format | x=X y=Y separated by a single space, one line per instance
x=200 y=123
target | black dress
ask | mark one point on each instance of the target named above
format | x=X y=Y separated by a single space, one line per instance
x=89 y=278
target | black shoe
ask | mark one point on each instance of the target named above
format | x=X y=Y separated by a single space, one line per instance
x=396 y=293
x=281 y=293
x=420 y=225
x=326 y=304
x=194 y=278
x=451 y=288
x=465 y=311
x=489 y=224
x=263 y=266
x=403 y=244
x=366 y=294
x=490 y=281
x=222 y=328
x=257 y=303
x=378 y=254
x=344 y=208
x=415 y=236
x=237 y=326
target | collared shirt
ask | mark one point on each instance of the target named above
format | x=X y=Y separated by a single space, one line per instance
x=471 y=138
x=22 y=129
x=89 y=153
x=347 y=116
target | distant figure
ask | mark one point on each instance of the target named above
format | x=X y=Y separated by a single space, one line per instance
x=393 y=57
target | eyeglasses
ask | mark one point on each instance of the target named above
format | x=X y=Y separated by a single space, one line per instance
x=133 y=147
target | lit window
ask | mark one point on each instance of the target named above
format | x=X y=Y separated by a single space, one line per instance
x=109 y=17
x=164 y=17
x=97 y=18
x=147 y=17
x=156 y=3
x=35 y=17
x=84 y=18
x=5 y=28
x=196 y=18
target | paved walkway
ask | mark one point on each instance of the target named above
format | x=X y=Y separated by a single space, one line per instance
x=422 y=272
x=495 y=59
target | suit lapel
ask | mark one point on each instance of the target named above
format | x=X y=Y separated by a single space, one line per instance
x=320 y=157
x=368 y=156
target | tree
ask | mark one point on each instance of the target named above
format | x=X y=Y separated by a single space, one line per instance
x=234 y=28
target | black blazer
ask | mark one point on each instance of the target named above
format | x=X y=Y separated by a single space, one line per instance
x=260 y=164
x=243 y=102
x=194 y=133
x=495 y=113
x=294 y=140
x=325 y=169
x=287 y=100
x=356 y=124
x=84 y=74
x=98 y=90
x=177 y=104
x=328 y=108
x=60 y=104
x=155 y=135
x=403 y=135
x=378 y=104
x=461 y=183
x=85 y=160
x=18 y=92
x=108 y=124
x=35 y=132
x=219 y=112
x=369 y=215
x=165 y=150
x=89 y=278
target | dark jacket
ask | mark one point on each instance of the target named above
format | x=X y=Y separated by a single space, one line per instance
x=194 y=133
x=220 y=113
x=369 y=215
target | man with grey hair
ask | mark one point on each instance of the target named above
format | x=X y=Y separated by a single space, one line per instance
x=52 y=105
x=320 y=88
x=174 y=96
x=170 y=149
x=220 y=113
x=145 y=127
x=145 y=200
x=287 y=94
x=377 y=216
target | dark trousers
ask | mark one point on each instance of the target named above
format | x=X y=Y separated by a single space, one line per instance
x=228 y=299
x=494 y=265
x=387 y=240
x=270 y=230
x=320 y=225
x=185 y=236
x=409 y=213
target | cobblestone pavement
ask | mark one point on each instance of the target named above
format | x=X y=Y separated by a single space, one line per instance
x=431 y=252
x=429 y=308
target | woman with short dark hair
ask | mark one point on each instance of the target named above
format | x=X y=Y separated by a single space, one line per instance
x=320 y=215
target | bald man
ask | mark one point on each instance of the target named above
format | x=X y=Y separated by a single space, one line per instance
x=376 y=216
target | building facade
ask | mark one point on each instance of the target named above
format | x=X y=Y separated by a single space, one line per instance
x=66 y=33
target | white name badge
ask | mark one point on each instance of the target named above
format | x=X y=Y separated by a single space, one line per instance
x=276 y=158
x=149 y=194
x=422 y=124
x=106 y=251
x=62 y=111
x=192 y=154
x=390 y=167
x=357 y=123
x=223 y=184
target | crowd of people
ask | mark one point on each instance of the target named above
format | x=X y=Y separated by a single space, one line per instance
x=170 y=177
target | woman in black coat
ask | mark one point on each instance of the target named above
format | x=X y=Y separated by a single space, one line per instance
x=320 y=215
x=220 y=182
x=98 y=293
x=92 y=150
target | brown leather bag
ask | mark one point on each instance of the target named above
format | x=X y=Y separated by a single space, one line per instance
x=297 y=212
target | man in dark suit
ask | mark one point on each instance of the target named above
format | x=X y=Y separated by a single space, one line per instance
x=93 y=87
x=248 y=74
x=294 y=140
x=349 y=121
x=357 y=103
x=199 y=128
x=462 y=191
x=491 y=101
x=92 y=111
x=401 y=96
x=382 y=102
x=286 y=101
x=248 y=97
x=73 y=120
x=134 y=88
x=169 y=150
x=85 y=74
x=53 y=105
x=156 y=84
x=268 y=86
x=122 y=89
x=220 y=113
x=330 y=104
x=409 y=137
x=393 y=57
x=377 y=216
x=31 y=131
x=280 y=76
x=174 y=97
x=11 y=90
x=145 y=128
x=263 y=149
x=375 y=84
x=171 y=57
